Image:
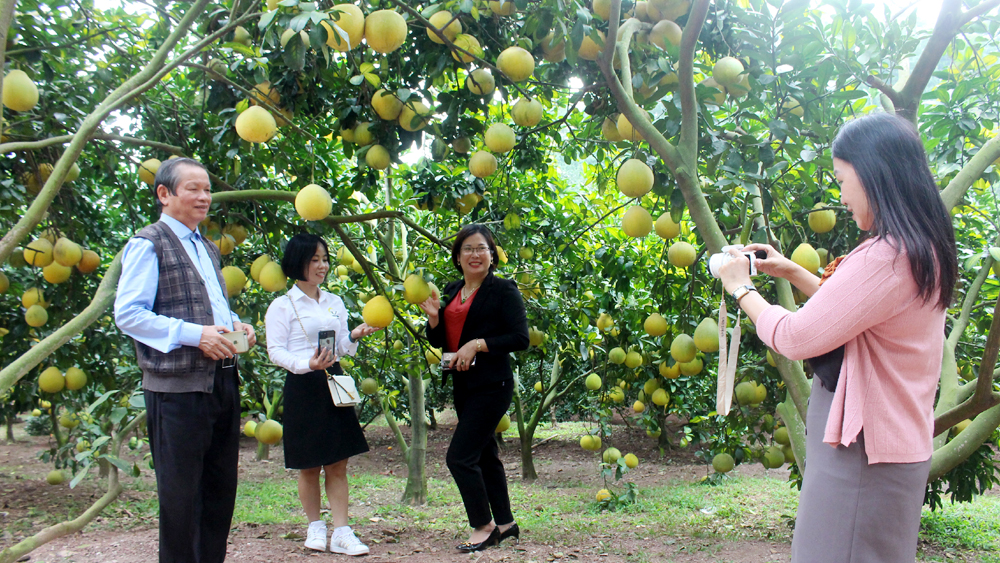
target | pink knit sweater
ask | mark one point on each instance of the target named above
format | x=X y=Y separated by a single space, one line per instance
x=892 y=357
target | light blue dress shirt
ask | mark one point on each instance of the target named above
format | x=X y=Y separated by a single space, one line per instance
x=137 y=292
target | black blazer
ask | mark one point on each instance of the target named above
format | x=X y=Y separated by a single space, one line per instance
x=497 y=316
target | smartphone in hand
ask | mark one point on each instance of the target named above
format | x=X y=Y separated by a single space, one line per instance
x=328 y=340
x=239 y=338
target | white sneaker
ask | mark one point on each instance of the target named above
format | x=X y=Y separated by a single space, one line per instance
x=348 y=544
x=316 y=538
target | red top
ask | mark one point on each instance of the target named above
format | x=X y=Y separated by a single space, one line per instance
x=454 y=320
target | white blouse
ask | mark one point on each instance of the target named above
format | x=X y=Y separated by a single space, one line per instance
x=287 y=346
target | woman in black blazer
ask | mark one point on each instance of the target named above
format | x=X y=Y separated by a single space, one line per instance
x=481 y=319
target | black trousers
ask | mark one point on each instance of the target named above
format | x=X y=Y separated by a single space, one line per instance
x=473 y=456
x=194 y=439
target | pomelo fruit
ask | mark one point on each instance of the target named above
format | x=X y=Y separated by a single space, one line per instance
x=369 y=386
x=660 y=397
x=504 y=424
x=633 y=359
x=611 y=455
x=500 y=138
x=681 y=254
x=527 y=112
x=235 y=280
x=269 y=432
x=56 y=272
x=385 y=30
x=655 y=325
x=256 y=125
x=727 y=71
x=593 y=382
x=683 y=349
x=313 y=203
x=250 y=429
x=665 y=31
x=806 y=256
x=257 y=265
x=377 y=157
x=415 y=289
x=350 y=21
x=36 y=316
x=723 y=463
x=67 y=252
x=706 y=335
x=51 y=380
x=414 y=116
x=637 y=222
x=481 y=83
x=589 y=49
x=716 y=94
x=76 y=378
x=378 y=312
x=610 y=130
x=271 y=277
x=634 y=178
x=482 y=164
x=386 y=105
x=19 y=92
x=440 y=20
x=617 y=355
x=665 y=227
x=822 y=221
x=631 y=461
x=517 y=63
x=471 y=48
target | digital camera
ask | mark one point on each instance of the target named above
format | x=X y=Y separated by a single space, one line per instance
x=716 y=261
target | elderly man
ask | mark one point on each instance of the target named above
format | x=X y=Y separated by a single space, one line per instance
x=172 y=301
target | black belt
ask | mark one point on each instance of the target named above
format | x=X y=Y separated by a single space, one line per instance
x=225 y=363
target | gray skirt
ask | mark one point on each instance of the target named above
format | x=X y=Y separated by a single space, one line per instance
x=849 y=511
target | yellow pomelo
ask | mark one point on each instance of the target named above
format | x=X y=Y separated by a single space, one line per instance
x=235 y=280
x=637 y=222
x=344 y=256
x=414 y=116
x=467 y=202
x=471 y=48
x=655 y=325
x=956 y=430
x=633 y=359
x=635 y=178
x=727 y=71
x=691 y=368
x=625 y=129
x=746 y=393
x=639 y=407
x=481 y=83
x=741 y=88
x=269 y=432
x=67 y=252
x=650 y=386
x=147 y=170
x=605 y=322
x=593 y=382
x=377 y=157
x=665 y=31
x=369 y=386
x=385 y=30
x=774 y=458
x=683 y=349
x=792 y=106
x=272 y=278
x=415 y=289
x=517 y=63
x=770 y=360
x=362 y=133
x=781 y=436
x=432 y=355
x=706 y=335
x=631 y=461
x=617 y=355
x=503 y=425
x=257 y=265
x=55 y=477
x=502 y=7
x=760 y=393
x=723 y=463
x=807 y=257
x=590 y=442
x=822 y=221
x=482 y=164
x=265 y=93
x=350 y=21
x=377 y=312
x=242 y=36
x=56 y=272
x=525 y=252
x=538 y=386
x=237 y=231
x=358 y=268
x=33 y=296
x=589 y=49
x=256 y=125
x=76 y=378
x=553 y=50
x=681 y=254
x=386 y=105
x=4 y=283
x=610 y=130
x=69 y=420
x=44 y=171
x=51 y=380
x=527 y=112
x=462 y=145
x=602 y=8
x=500 y=138
x=38 y=253
x=660 y=397
x=824 y=257
x=250 y=429
x=19 y=92
x=611 y=455
x=313 y=203
x=665 y=227
x=602 y=494
x=441 y=19
x=511 y=221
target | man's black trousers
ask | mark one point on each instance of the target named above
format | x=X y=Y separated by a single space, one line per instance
x=194 y=439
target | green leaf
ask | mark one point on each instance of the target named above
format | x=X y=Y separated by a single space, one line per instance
x=265 y=19
x=100 y=400
x=357 y=79
x=118 y=462
x=995 y=253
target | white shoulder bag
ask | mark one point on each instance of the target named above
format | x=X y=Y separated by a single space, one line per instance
x=342 y=388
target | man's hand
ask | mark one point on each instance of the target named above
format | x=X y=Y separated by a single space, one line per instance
x=213 y=345
x=251 y=336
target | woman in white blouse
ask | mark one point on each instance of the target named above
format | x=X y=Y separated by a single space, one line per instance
x=318 y=435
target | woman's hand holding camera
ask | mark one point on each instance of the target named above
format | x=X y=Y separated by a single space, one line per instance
x=462 y=360
x=322 y=359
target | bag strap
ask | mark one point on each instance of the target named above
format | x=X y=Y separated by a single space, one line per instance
x=727 y=362
x=302 y=326
x=339 y=384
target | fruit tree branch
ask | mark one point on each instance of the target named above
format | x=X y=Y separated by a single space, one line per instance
x=885 y=89
x=972 y=171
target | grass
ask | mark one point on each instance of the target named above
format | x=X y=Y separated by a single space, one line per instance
x=966 y=526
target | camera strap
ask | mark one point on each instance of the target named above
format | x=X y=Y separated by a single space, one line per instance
x=727 y=361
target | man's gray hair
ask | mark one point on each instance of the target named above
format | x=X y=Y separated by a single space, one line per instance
x=169 y=176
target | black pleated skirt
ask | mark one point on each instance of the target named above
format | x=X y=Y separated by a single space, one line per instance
x=316 y=432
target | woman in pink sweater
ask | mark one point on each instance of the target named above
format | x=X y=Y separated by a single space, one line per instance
x=873 y=334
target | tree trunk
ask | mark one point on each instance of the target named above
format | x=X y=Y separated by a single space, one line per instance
x=10 y=428
x=416 y=478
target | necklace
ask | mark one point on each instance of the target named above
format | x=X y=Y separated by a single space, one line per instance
x=467 y=294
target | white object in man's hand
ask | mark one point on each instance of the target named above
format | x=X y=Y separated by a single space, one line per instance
x=214 y=345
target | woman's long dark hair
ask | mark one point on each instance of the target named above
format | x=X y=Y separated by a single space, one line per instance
x=888 y=157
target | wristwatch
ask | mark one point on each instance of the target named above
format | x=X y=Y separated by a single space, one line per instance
x=741 y=291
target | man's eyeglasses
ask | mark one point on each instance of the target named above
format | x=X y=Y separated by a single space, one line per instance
x=469 y=251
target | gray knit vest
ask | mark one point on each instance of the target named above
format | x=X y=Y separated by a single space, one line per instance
x=181 y=294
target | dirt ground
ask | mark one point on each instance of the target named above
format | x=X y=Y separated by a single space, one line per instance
x=26 y=497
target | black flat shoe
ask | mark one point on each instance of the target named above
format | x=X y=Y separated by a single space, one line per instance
x=514 y=531
x=469 y=547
